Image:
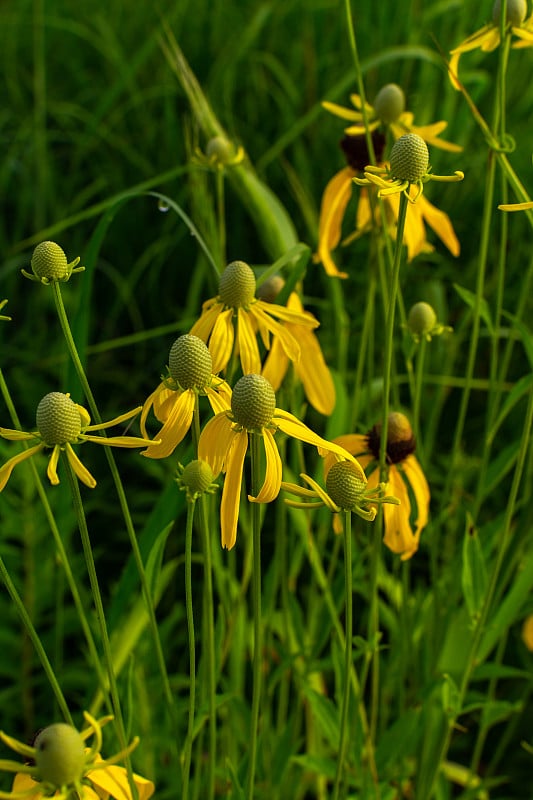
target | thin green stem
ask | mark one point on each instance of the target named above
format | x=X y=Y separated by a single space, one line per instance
x=99 y=608
x=186 y=769
x=255 y=441
x=73 y=352
x=419 y=382
x=348 y=636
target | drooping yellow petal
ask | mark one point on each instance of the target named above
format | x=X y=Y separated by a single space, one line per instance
x=231 y=493
x=336 y=197
x=359 y=130
x=276 y=364
x=215 y=441
x=524 y=34
x=399 y=536
x=221 y=340
x=419 y=485
x=354 y=443
x=286 y=339
x=51 y=470
x=288 y=313
x=486 y=38
x=248 y=349
x=314 y=374
x=440 y=222
x=292 y=426
x=219 y=396
x=414 y=235
x=203 y=326
x=430 y=134
x=163 y=402
x=176 y=426
x=9 y=466
x=114 y=780
x=148 y=403
x=515 y=206
x=272 y=483
x=82 y=473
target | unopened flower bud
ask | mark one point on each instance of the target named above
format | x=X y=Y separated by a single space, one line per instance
x=389 y=103
x=49 y=261
x=60 y=755
x=190 y=362
x=515 y=12
x=421 y=320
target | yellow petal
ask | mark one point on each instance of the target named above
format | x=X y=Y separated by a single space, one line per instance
x=354 y=443
x=286 y=339
x=51 y=470
x=341 y=111
x=440 y=222
x=203 y=326
x=419 y=485
x=248 y=349
x=114 y=780
x=82 y=473
x=148 y=403
x=9 y=466
x=116 y=421
x=314 y=374
x=276 y=364
x=221 y=340
x=215 y=441
x=292 y=426
x=515 y=206
x=219 y=396
x=399 y=537
x=286 y=313
x=430 y=134
x=176 y=427
x=360 y=130
x=527 y=632
x=272 y=483
x=336 y=197
x=486 y=38
x=231 y=494
x=17 y=436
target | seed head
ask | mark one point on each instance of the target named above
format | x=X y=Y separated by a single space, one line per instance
x=58 y=419
x=269 y=289
x=409 y=158
x=253 y=402
x=515 y=11
x=237 y=285
x=49 y=261
x=190 y=362
x=60 y=755
x=344 y=485
x=220 y=150
x=389 y=103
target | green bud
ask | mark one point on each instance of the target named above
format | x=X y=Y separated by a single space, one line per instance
x=389 y=103
x=253 y=402
x=345 y=485
x=515 y=11
x=58 y=419
x=49 y=261
x=60 y=755
x=409 y=158
x=237 y=285
x=421 y=319
x=190 y=362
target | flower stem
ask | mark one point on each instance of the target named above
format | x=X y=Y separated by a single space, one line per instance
x=99 y=608
x=255 y=440
x=191 y=504
x=67 y=333
x=348 y=624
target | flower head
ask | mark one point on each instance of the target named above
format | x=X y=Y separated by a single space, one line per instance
x=409 y=166
x=488 y=37
x=406 y=481
x=346 y=490
x=224 y=442
x=236 y=304
x=422 y=322
x=62 y=766
x=219 y=153
x=49 y=264
x=337 y=196
x=311 y=369
x=389 y=112
x=196 y=479
x=190 y=374
x=61 y=423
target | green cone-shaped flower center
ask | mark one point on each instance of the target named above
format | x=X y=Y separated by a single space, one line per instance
x=49 y=261
x=190 y=362
x=409 y=158
x=515 y=11
x=237 y=284
x=345 y=485
x=60 y=755
x=253 y=402
x=421 y=319
x=389 y=103
x=58 y=419
x=197 y=476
